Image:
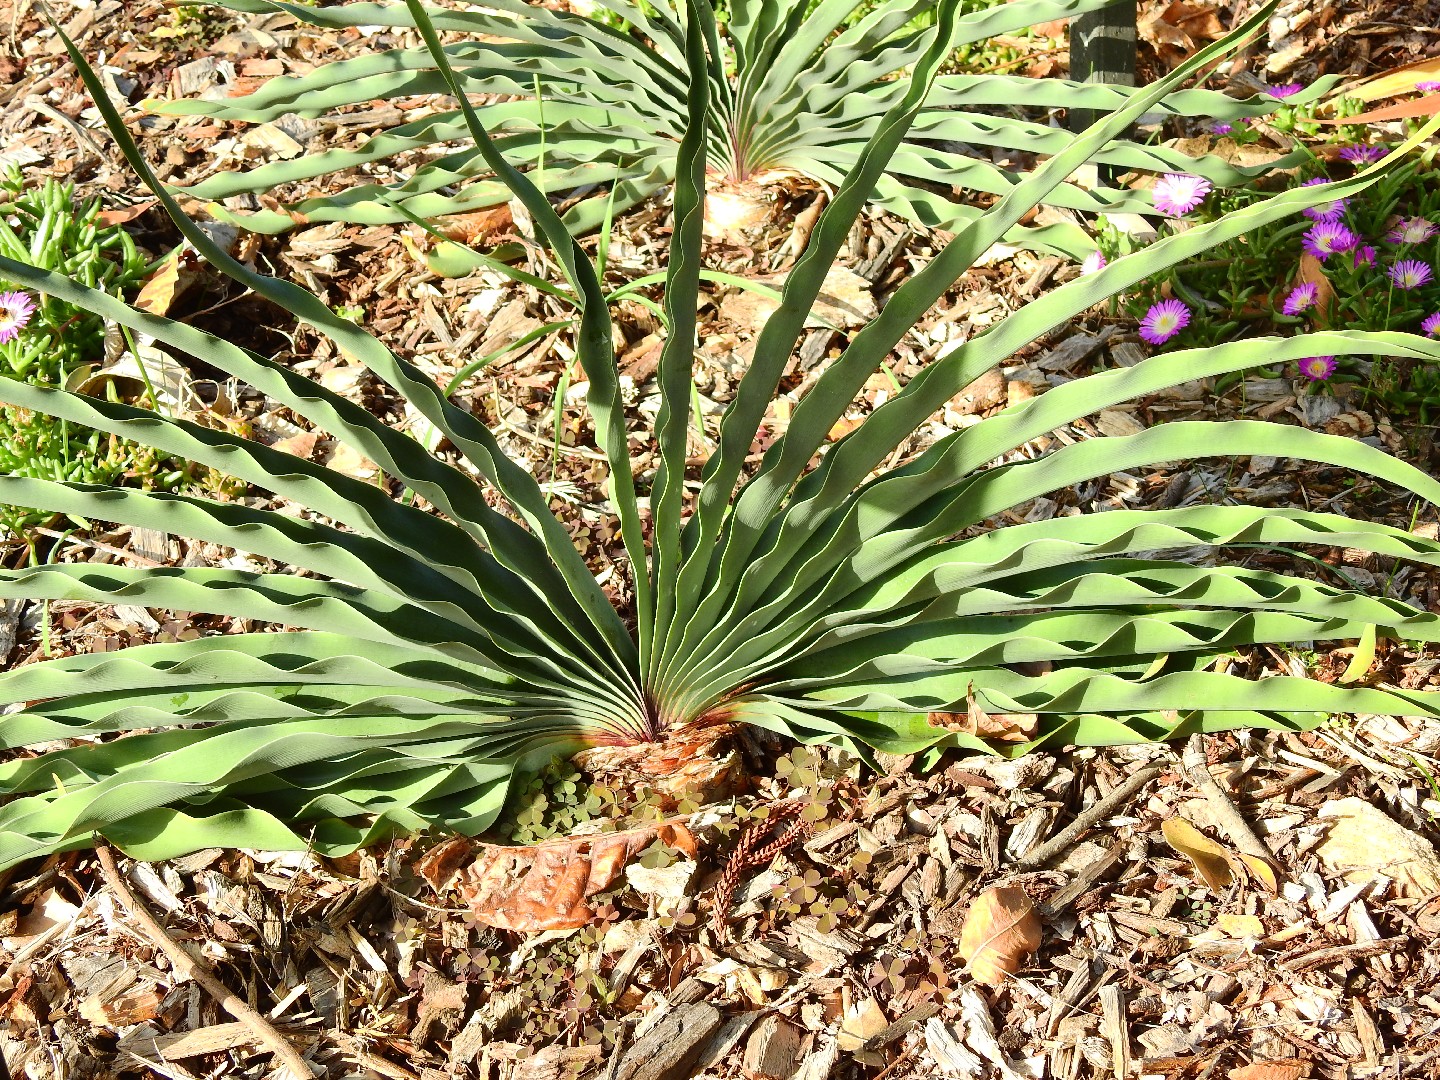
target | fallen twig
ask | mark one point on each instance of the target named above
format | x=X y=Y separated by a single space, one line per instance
x=187 y=966
x=1226 y=814
x=1088 y=818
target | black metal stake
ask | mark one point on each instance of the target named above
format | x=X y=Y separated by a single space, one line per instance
x=1102 y=50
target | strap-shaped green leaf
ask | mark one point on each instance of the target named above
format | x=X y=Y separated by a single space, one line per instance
x=1022 y=552
x=468 y=435
x=758 y=500
x=1078 y=690
x=983 y=615
x=777 y=341
x=246 y=659
x=975 y=497
x=362 y=506
x=385 y=525
x=596 y=352
x=677 y=358
x=212 y=761
x=849 y=462
x=886 y=502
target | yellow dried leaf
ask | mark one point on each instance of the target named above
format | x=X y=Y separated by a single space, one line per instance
x=1260 y=870
x=1401 y=80
x=1240 y=926
x=1001 y=930
x=1209 y=858
x=1360 y=662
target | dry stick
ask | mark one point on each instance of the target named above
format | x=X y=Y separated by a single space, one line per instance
x=1226 y=814
x=187 y=966
x=1088 y=818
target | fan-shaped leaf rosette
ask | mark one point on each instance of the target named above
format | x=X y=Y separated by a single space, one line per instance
x=577 y=103
x=427 y=657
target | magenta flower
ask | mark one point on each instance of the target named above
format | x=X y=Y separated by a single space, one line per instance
x=1093 y=263
x=1364 y=256
x=1301 y=298
x=1410 y=274
x=1430 y=325
x=1163 y=321
x=1220 y=127
x=15 y=311
x=1285 y=90
x=1429 y=86
x=1326 y=238
x=1176 y=194
x=1415 y=230
x=1362 y=153
x=1317 y=368
x=1326 y=211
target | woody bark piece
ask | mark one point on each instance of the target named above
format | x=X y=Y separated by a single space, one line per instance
x=773 y=1050
x=1237 y=829
x=699 y=763
x=186 y=965
x=666 y=1051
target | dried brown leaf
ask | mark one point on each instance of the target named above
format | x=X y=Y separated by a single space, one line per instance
x=1001 y=930
x=158 y=293
x=477 y=226
x=1260 y=870
x=549 y=886
x=999 y=727
x=1276 y=1069
x=1429 y=105
x=121 y=214
x=1312 y=270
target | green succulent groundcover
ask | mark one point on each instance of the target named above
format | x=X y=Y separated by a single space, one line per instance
x=430 y=658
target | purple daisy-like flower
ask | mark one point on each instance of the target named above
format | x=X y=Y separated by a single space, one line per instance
x=1163 y=321
x=1430 y=325
x=15 y=311
x=1317 y=368
x=1327 y=211
x=1093 y=263
x=1429 y=86
x=1220 y=127
x=1326 y=238
x=1362 y=153
x=1415 y=230
x=1410 y=274
x=1176 y=194
x=1364 y=256
x=1301 y=298
x=1285 y=90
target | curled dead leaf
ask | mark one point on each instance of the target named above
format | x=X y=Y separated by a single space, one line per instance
x=1001 y=930
x=999 y=727
x=545 y=886
x=1211 y=861
x=158 y=292
x=476 y=226
x=121 y=214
